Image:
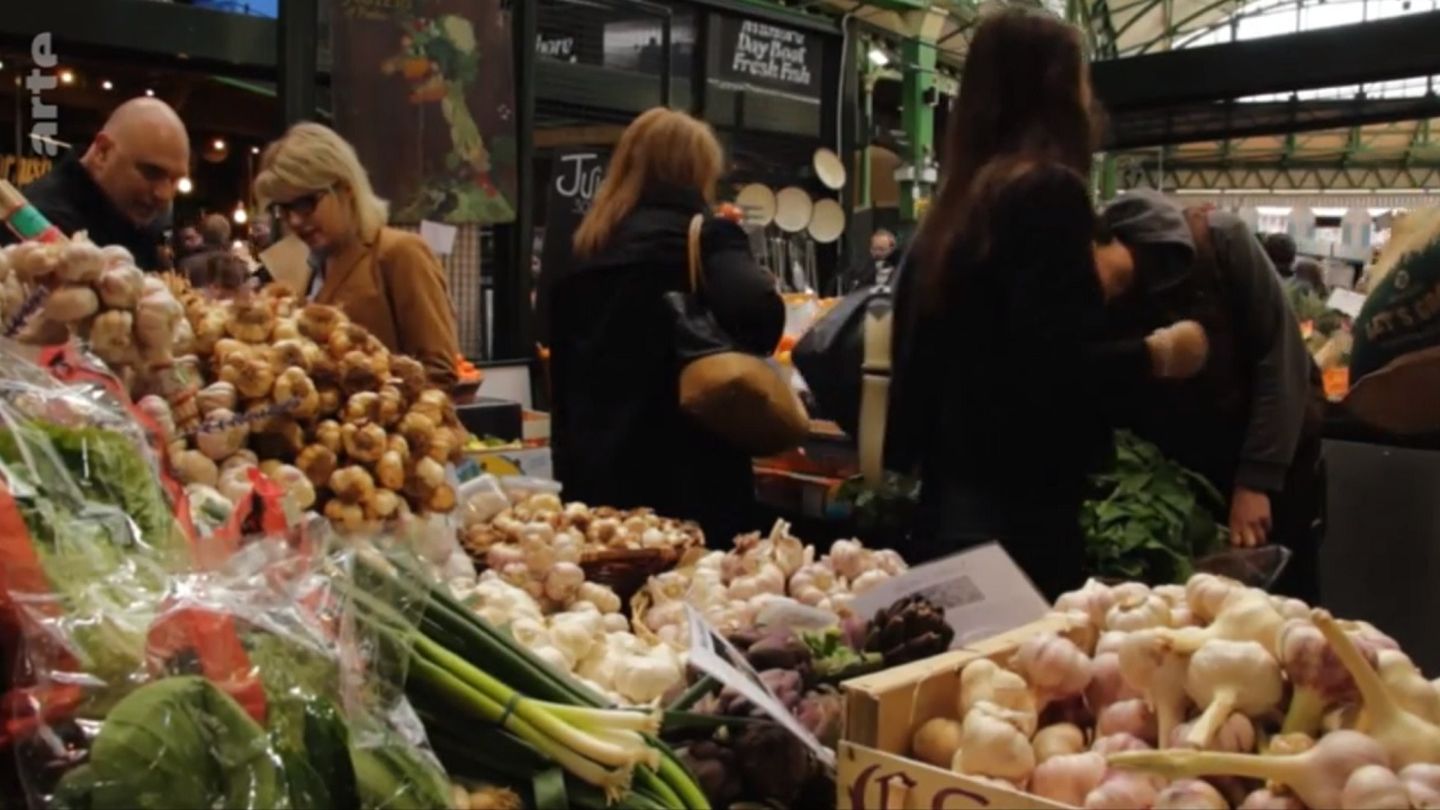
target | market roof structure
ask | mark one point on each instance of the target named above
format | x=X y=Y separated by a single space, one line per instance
x=1365 y=135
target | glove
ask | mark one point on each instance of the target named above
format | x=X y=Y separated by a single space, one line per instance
x=1178 y=351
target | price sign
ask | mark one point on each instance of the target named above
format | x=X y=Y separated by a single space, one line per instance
x=712 y=654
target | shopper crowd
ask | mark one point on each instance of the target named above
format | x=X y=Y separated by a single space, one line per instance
x=1029 y=325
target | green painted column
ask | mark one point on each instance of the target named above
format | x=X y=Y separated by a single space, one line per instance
x=919 y=58
x=1107 y=178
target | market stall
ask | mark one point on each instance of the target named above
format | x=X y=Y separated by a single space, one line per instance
x=247 y=565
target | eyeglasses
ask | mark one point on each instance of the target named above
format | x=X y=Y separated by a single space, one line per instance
x=304 y=205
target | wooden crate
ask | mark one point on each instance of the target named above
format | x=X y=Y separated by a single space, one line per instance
x=875 y=771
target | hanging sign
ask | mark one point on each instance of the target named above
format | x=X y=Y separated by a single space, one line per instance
x=560 y=47
x=574 y=178
x=768 y=56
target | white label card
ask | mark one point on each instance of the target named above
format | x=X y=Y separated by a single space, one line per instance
x=439 y=236
x=1346 y=301
x=713 y=655
x=984 y=593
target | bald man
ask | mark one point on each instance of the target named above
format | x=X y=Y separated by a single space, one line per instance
x=119 y=189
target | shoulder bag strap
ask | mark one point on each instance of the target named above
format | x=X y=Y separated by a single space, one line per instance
x=874 y=395
x=692 y=250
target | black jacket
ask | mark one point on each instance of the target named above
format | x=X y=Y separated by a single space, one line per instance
x=1258 y=357
x=618 y=435
x=69 y=197
x=997 y=391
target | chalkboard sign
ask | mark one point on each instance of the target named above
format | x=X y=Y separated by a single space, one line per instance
x=575 y=176
x=766 y=56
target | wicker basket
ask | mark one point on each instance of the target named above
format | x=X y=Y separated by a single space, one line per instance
x=624 y=570
x=627 y=570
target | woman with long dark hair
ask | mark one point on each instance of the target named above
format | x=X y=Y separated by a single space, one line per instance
x=998 y=373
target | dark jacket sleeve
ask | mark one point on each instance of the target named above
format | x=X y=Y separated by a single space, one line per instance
x=740 y=293
x=1280 y=374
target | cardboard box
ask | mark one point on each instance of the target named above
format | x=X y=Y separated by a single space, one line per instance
x=875 y=771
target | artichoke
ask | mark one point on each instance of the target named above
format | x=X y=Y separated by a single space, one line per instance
x=910 y=629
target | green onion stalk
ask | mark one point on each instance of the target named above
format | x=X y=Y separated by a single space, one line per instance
x=608 y=748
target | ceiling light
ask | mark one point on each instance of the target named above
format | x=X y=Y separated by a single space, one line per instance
x=185 y=186
x=879 y=58
x=241 y=216
x=2 y=65
x=254 y=150
x=107 y=85
x=149 y=92
x=67 y=76
x=219 y=145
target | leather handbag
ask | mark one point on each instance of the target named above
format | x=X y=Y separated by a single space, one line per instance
x=736 y=395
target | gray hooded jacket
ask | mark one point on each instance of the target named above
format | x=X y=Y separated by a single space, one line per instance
x=1280 y=367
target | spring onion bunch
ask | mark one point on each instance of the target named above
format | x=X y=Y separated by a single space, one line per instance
x=462 y=667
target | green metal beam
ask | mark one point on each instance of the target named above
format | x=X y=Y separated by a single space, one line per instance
x=1420 y=138
x=919 y=58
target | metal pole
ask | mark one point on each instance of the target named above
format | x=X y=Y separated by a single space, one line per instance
x=666 y=59
x=514 y=319
x=297 y=29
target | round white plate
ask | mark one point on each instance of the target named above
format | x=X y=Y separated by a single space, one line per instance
x=830 y=169
x=758 y=203
x=792 y=209
x=827 y=222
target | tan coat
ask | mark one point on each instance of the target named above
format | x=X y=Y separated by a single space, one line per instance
x=396 y=288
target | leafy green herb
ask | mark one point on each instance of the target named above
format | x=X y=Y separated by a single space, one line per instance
x=1151 y=518
x=834 y=658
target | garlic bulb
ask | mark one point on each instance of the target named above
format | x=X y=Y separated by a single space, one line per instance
x=992 y=746
x=1068 y=778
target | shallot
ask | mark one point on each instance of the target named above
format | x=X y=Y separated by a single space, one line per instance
x=1058 y=740
x=936 y=741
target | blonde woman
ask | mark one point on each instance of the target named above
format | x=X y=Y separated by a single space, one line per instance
x=618 y=434
x=384 y=279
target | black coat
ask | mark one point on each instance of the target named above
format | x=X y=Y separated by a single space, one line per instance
x=69 y=197
x=997 y=392
x=618 y=434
